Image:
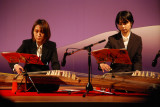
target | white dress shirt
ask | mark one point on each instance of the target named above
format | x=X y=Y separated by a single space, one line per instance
x=126 y=40
x=39 y=51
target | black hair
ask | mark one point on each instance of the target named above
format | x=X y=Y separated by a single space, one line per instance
x=44 y=27
x=124 y=16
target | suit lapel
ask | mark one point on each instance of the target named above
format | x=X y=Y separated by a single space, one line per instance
x=34 y=48
x=121 y=44
x=131 y=42
x=44 y=51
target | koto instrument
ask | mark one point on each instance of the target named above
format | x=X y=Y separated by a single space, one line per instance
x=143 y=81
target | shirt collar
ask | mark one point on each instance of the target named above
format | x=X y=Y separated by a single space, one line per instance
x=127 y=36
x=39 y=46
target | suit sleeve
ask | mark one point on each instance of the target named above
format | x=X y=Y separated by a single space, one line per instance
x=54 y=61
x=138 y=57
x=108 y=45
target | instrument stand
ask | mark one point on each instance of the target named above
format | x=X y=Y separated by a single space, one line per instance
x=26 y=76
x=89 y=86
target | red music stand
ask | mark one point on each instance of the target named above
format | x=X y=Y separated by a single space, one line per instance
x=13 y=57
x=111 y=55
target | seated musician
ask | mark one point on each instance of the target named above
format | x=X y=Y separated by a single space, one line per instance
x=125 y=39
x=40 y=45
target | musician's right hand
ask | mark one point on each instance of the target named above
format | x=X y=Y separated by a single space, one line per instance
x=18 y=68
x=105 y=67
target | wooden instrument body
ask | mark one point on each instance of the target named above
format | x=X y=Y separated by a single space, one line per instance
x=120 y=82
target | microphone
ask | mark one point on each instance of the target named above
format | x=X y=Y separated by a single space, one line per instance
x=154 y=62
x=63 y=63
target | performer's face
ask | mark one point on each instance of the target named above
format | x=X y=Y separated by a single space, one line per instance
x=38 y=34
x=124 y=27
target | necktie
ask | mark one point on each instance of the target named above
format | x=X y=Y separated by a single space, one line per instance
x=39 y=52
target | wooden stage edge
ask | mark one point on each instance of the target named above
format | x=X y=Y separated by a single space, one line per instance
x=51 y=99
x=76 y=101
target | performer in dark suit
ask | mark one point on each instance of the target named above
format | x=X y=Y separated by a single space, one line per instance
x=41 y=46
x=49 y=54
x=125 y=39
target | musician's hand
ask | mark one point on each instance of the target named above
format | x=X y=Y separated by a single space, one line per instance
x=105 y=67
x=18 y=68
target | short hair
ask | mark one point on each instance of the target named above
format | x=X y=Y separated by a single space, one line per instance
x=44 y=27
x=124 y=16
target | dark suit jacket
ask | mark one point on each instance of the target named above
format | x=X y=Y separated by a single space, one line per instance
x=134 y=49
x=49 y=54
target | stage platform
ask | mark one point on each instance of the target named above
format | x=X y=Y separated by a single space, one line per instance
x=67 y=95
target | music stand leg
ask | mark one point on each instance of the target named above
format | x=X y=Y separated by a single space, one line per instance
x=19 y=85
x=27 y=76
x=33 y=84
